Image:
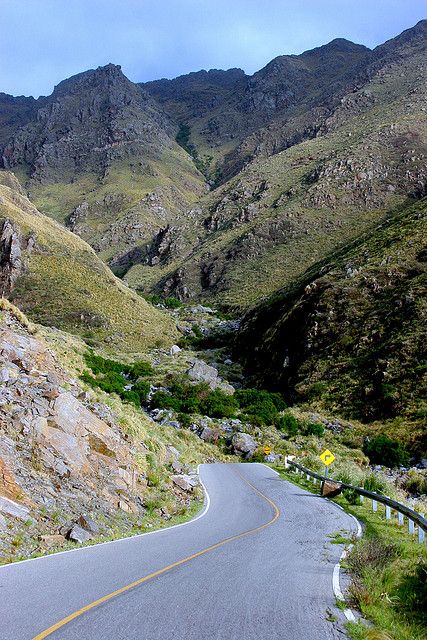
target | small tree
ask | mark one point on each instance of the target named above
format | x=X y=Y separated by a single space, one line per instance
x=288 y=424
x=385 y=451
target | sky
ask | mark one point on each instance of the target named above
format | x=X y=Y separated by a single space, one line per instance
x=45 y=41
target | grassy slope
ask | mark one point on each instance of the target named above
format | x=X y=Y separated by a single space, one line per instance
x=65 y=284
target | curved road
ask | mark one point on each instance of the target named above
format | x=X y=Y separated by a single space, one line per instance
x=257 y=564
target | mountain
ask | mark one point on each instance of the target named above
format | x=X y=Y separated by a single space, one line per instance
x=57 y=279
x=301 y=157
x=285 y=210
x=100 y=157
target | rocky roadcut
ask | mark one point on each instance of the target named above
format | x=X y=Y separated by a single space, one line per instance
x=61 y=454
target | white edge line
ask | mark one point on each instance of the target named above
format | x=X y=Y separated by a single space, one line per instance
x=268 y=467
x=337 y=568
x=203 y=512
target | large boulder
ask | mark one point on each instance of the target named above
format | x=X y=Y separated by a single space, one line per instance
x=78 y=534
x=185 y=482
x=199 y=371
x=243 y=444
x=330 y=489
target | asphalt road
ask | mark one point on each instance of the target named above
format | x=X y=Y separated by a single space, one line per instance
x=257 y=564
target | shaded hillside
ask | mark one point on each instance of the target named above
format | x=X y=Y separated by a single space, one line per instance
x=15 y=112
x=350 y=335
x=57 y=279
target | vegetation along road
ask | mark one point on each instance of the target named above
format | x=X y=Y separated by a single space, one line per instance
x=256 y=563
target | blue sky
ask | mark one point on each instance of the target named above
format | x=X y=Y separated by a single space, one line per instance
x=44 y=41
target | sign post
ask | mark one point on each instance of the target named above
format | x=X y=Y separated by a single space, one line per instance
x=327 y=457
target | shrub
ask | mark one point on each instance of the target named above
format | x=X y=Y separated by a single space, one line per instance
x=112 y=377
x=173 y=303
x=219 y=405
x=351 y=496
x=385 y=451
x=371 y=553
x=315 y=390
x=412 y=592
x=184 y=419
x=260 y=407
x=416 y=483
x=186 y=398
x=315 y=429
x=140 y=370
x=288 y=424
x=164 y=400
x=169 y=303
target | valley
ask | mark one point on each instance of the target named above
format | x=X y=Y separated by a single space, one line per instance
x=217 y=268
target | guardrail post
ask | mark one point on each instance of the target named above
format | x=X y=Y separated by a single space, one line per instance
x=387 y=511
x=411 y=526
x=374 y=505
x=307 y=476
x=400 y=518
x=421 y=535
x=362 y=499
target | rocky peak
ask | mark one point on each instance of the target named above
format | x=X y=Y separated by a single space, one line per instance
x=336 y=45
x=89 y=120
x=406 y=42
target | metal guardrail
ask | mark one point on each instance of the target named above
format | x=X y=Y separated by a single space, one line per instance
x=414 y=518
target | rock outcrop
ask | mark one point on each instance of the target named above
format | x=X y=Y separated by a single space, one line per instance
x=65 y=462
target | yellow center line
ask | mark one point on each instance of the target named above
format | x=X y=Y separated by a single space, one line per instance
x=109 y=596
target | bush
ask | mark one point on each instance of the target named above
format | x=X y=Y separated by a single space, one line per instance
x=219 y=405
x=412 y=592
x=351 y=496
x=169 y=303
x=288 y=424
x=371 y=553
x=186 y=398
x=385 y=451
x=164 y=400
x=260 y=407
x=416 y=483
x=315 y=429
x=112 y=377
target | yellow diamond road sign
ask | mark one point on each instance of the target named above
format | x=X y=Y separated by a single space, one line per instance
x=267 y=450
x=327 y=457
